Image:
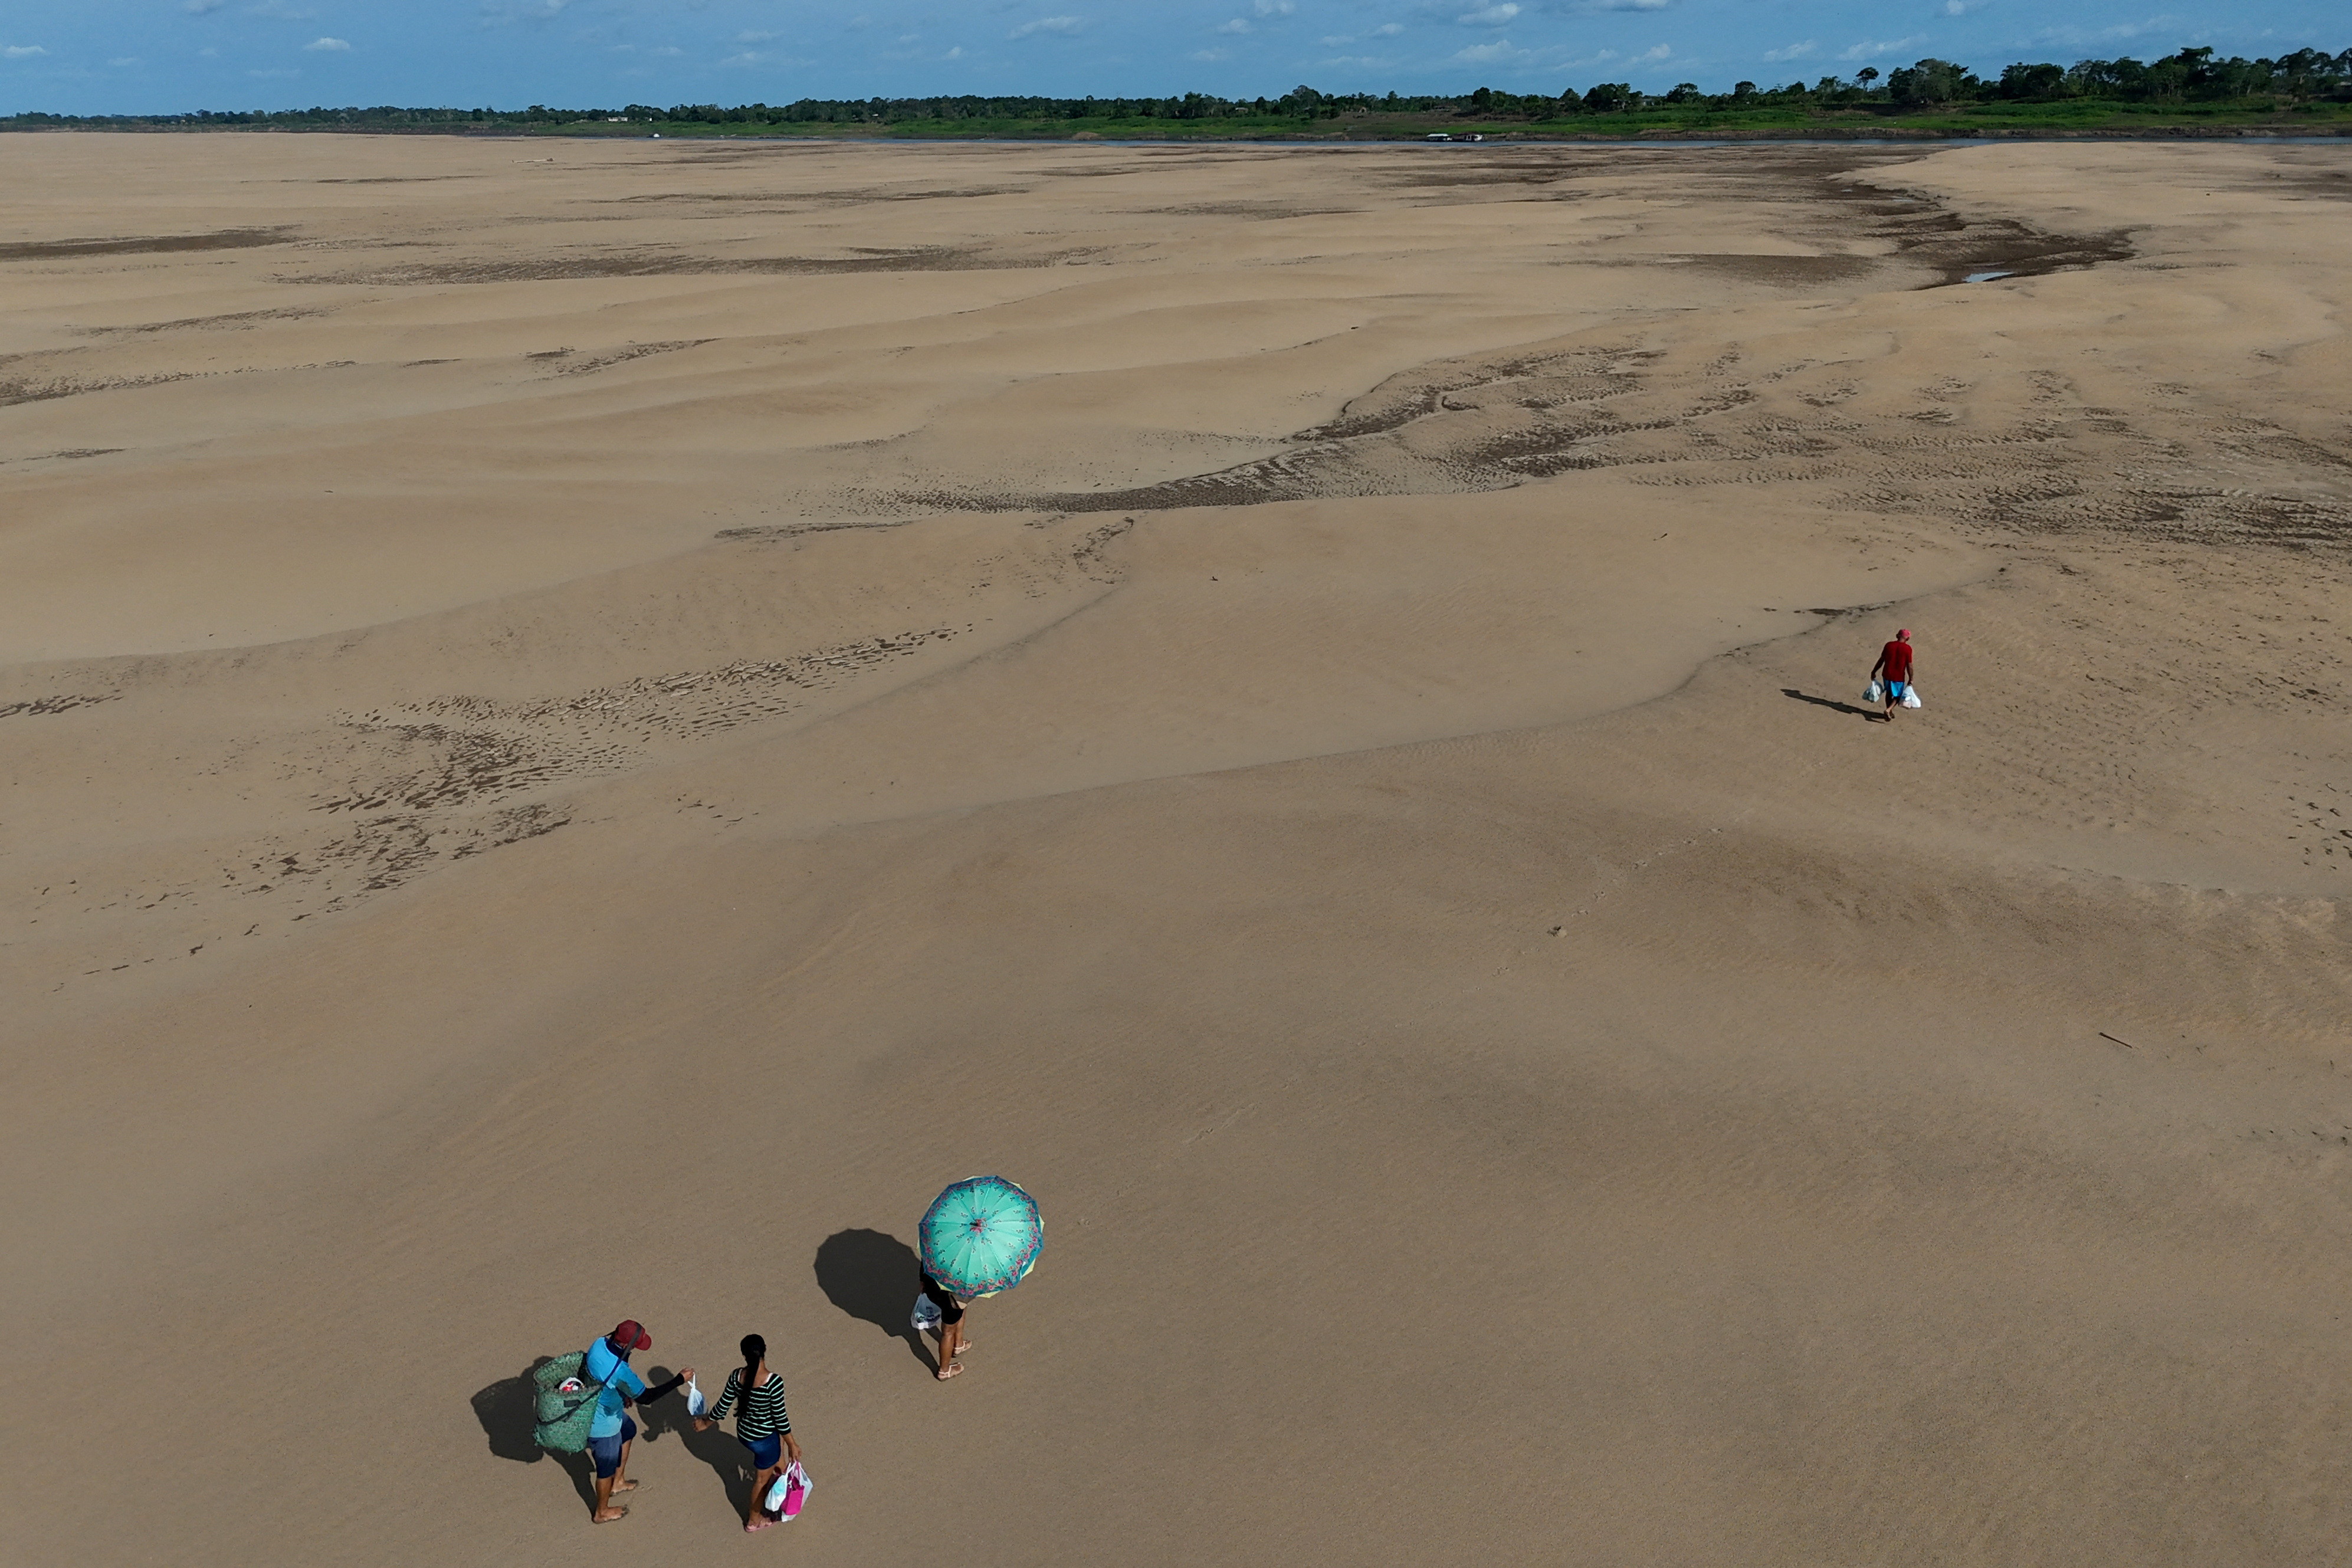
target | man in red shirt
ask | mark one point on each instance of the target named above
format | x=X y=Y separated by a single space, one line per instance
x=1894 y=661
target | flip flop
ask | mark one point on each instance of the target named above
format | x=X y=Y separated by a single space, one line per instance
x=953 y=1369
x=750 y=1527
x=614 y=1519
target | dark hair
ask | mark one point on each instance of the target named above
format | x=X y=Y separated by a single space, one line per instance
x=755 y=1351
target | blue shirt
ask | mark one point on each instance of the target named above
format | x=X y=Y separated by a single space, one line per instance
x=601 y=1365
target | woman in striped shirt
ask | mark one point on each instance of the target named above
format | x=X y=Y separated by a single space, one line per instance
x=762 y=1426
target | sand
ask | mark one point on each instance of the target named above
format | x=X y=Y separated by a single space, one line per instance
x=585 y=725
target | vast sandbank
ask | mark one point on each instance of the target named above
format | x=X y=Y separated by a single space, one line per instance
x=586 y=724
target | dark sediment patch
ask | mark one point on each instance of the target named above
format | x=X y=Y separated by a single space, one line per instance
x=1779 y=271
x=670 y=264
x=857 y=197
x=1262 y=210
x=235 y=320
x=142 y=245
x=584 y=366
x=2013 y=250
x=65 y=702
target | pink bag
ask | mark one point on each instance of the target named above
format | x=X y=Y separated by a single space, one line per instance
x=788 y=1495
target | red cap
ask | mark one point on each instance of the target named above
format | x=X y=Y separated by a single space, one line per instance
x=631 y=1335
x=1905 y=634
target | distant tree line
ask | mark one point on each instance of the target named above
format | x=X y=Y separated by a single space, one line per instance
x=2191 y=76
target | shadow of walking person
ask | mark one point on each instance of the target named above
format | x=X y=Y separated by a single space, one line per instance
x=874 y=1277
x=508 y=1410
x=728 y=1460
x=1832 y=703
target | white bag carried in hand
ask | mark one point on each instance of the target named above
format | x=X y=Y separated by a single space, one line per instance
x=788 y=1495
x=925 y=1319
x=1910 y=695
x=695 y=1403
x=1874 y=692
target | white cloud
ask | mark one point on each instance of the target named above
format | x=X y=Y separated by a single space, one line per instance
x=1358 y=62
x=1786 y=52
x=124 y=60
x=198 y=7
x=1629 y=4
x=21 y=51
x=207 y=54
x=328 y=45
x=1388 y=30
x=747 y=57
x=669 y=51
x=1275 y=7
x=2164 y=24
x=495 y=12
x=953 y=54
x=1236 y=25
x=1501 y=49
x=1653 y=56
x=749 y=37
x=1495 y=15
x=1873 y=49
x=284 y=10
x=1209 y=56
x=273 y=75
x=1048 y=25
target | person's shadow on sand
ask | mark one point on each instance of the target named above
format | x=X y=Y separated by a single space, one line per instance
x=666 y=1417
x=509 y=1409
x=1832 y=704
x=875 y=1278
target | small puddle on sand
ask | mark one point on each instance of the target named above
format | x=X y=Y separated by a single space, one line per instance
x=1986 y=277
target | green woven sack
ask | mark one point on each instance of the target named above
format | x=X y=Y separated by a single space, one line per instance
x=564 y=1418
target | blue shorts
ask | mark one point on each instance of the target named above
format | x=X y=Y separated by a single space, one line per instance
x=767 y=1453
x=1895 y=691
x=606 y=1451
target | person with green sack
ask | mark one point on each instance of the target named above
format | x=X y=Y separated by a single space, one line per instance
x=610 y=1430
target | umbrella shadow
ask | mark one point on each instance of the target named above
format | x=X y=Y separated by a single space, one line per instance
x=874 y=1277
x=1832 y=703
x=509 y=1410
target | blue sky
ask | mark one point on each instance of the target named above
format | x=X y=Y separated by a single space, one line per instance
x=147 y=56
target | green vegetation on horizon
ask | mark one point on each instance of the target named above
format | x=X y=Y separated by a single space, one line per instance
x=2308 y=91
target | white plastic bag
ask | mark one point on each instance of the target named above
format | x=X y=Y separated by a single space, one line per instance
x=1910 y=695
x=788 y=1495
x=695 y=1403
x=1874 y=692
x=925 y=1319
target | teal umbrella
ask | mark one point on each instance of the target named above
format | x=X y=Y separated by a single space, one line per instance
x=982 y=1236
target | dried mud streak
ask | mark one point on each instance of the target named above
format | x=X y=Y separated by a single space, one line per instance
x=1698 y=417
x=63 y=704
x=449 y=767
x=1401 y=437
x=143 y=245
x=235 y=320
x=546 y=268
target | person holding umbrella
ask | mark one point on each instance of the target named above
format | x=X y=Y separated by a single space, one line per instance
x=950 y=1327
x=979 y=1237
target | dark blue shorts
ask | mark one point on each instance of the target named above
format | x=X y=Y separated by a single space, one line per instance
x=606 y=1451
x=766 y=1452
